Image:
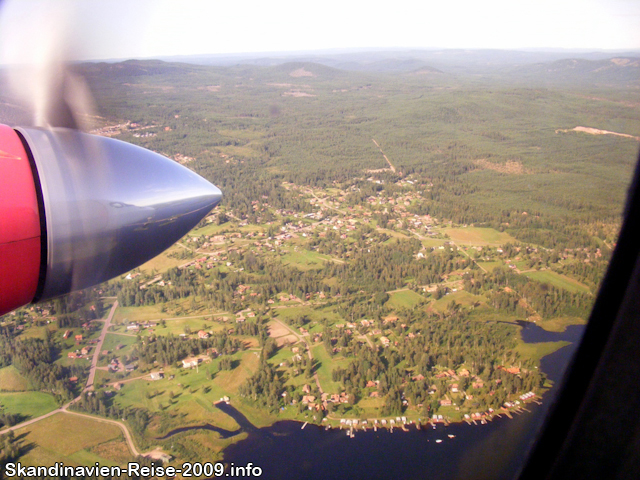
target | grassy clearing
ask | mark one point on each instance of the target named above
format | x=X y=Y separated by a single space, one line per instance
x=242 y=134
x=138 y=314
x=490 y=266
x=560 y=324
x=314 y=314
x=327 y=364
x=463 y=298
x=558 y=280
x=210 y=229
x=63 y=435
x=433 y=242
x=112 y=340
x=37 y=332
x=12 y=381
x=234 y=151
x=28 y=404
x=193 y=390
x=392 y=233
x=478 y=236
x=405 y=299
x=180 y=325
x=305 y=259
x=179 y=308
x=488 y=314
x=115 y=450
x=536 y=351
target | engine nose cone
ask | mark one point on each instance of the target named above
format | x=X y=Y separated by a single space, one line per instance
x=109 y=206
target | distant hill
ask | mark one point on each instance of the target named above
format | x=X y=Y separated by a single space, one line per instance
x=613 y=70
x=134 y=68
x=475 y=61
x=618 y=70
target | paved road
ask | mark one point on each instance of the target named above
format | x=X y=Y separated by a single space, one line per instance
x=96 y=354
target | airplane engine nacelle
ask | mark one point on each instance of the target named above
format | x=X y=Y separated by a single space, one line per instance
x=79 y=209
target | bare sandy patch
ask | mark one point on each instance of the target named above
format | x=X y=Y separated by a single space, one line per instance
x=285 y=85
x=287 y=340
x=301 y=72
x=164 y=88
x=597 y=131
x=626 y=62
x=210 y=88
x=276 y=330
x=511 y=167
x=297 y=93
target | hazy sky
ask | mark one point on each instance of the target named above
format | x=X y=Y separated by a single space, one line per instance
x=147 y=28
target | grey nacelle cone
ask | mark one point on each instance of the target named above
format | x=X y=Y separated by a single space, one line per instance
x=109 y=206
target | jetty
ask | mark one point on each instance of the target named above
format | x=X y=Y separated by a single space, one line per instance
x=304 y=425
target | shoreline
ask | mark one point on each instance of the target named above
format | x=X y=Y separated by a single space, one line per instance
x=354 y=425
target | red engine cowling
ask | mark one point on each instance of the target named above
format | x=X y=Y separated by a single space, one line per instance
x=20 y=229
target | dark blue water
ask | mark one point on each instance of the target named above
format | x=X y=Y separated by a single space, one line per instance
x=489 y=451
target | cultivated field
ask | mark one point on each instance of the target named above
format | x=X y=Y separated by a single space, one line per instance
x=478 y=236
x=558 y=280
x=405 y=299
x=67 y=438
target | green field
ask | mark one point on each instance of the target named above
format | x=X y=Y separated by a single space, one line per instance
x=64 y=437
x=405 y=299
x=12 y=381
x=178 y=326
x=111 y=340
x=478 y=236
x=37 y=332
x=28 y=404
x=311 y=312
x=327 y=364
x=433 y=242
x=463 y=298
x=558 y=280
x=490 y=266
x=194 y=392
x=305 y=259
x=138 y=314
